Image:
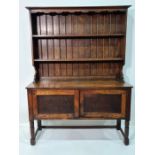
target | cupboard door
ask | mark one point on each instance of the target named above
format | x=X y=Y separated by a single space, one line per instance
x=56 y=104
x=103 y=103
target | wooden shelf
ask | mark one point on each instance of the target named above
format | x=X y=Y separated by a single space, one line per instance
x=79 y=60
x=77 y=36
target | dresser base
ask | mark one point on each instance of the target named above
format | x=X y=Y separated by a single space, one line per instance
x=79 y=100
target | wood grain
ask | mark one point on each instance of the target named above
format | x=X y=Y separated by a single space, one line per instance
x=78 y=54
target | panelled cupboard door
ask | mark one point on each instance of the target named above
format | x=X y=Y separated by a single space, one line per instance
x=103 y=103
x=55 y=104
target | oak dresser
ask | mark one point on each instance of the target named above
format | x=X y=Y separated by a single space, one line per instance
x=78 y=54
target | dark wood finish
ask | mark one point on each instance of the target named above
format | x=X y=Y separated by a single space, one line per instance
x=80 y=84
x=54 y=104
x=78 y=55
x=103 y=103
x=32 y=132
x=79 y=60
x=118 y=126
x=39 y=124
x=77 y=36
x=96 y=39
x=126 y=139
x=79 y=127
x=78 y=10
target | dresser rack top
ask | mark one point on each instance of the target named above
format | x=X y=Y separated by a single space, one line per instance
x=78 y=42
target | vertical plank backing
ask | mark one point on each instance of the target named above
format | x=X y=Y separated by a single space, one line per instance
x=51 y=69
x=103 y=23
x=79 y=48
x=50 y=27
x=99 y=48
x=107 y=23
x=88 y=29
x=75 y=41
x=50 y=32
x=56 y=24
x=56 y=32
x=81 y=24
x=81 y=27
x=123 y=40
x=39 y=44
x=75 y=69
x=43 y=26
x=94 y=24
x=75 y=45
x=106 y=48
x=69 y=54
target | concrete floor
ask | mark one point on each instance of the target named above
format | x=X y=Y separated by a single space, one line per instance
x=76 y=142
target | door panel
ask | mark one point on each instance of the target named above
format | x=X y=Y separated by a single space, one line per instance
x=103 y=103
x=56 y=104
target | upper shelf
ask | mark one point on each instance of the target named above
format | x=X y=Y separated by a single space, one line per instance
x=77 y=36
x=79 y=60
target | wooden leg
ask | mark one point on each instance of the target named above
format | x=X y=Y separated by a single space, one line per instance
x=32 y=141
x=118 y=126
x=39 y=124
x=126 y=138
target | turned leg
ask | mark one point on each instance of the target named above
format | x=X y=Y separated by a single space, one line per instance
x=39 y=124
x=126 y=138
x=32 y=141
x=118 y=126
